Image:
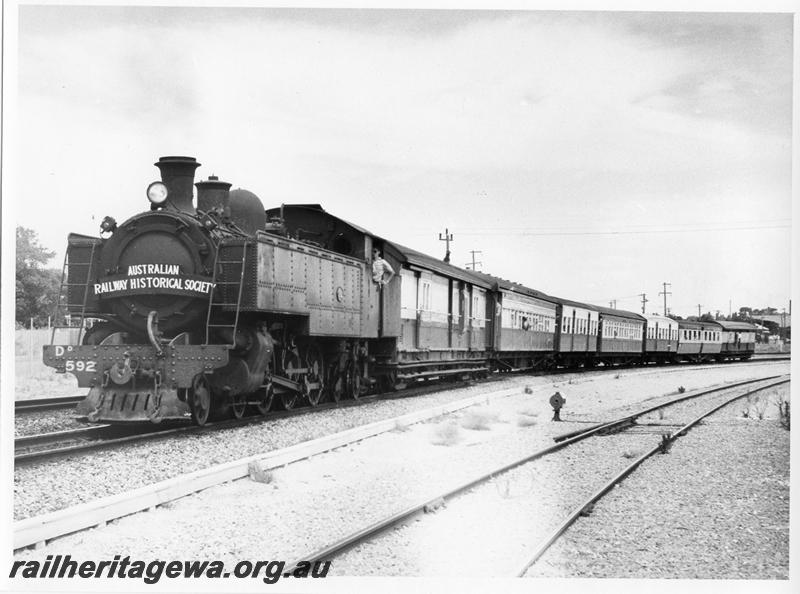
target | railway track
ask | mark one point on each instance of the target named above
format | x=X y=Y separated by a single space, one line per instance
x=64 y=402
x=368 y=533
x=586 y=505
x=49 y=446
x=43 y=446
x=42 y=528
x=43 y=404
x=53 y=445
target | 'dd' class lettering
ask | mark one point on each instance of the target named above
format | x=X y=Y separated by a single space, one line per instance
x=137 y=269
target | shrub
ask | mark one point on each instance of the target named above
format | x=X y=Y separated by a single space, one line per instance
x=784 y=412
x=760 y=407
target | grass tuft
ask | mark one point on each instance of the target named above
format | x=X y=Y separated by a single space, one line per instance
x=401 y=427
x=527 y=421
x=478 y=420
x=259 y=474
x=446 y=434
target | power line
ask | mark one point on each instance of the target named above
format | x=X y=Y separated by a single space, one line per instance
x=546 y=233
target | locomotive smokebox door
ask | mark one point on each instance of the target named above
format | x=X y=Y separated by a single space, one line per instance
x=557 y=401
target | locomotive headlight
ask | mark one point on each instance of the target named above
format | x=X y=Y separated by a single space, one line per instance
x=157 y=193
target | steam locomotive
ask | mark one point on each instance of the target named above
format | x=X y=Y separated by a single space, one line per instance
x=206 y=311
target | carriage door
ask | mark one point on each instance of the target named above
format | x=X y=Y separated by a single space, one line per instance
x=390 y=302
x=458 y=335
x=469 y=315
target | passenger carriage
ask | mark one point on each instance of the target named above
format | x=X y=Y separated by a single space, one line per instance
x=661 y=339
x=576 y=333
x=698 y=341
x=738 y=340
x=525 y=327
x=445 y=317
x=620 y=336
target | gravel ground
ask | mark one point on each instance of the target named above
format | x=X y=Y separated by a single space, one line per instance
x=343 y=490
x=513 y=513
x=47 y=486
x=46 y=421
x=51 y=485
x=716 y=507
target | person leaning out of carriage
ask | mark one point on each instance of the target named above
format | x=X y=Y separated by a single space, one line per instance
x=382 y=271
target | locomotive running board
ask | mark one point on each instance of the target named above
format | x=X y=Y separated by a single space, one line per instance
x=438 y=372
x=179 y=363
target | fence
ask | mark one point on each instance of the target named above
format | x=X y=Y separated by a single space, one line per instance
x=34 y=379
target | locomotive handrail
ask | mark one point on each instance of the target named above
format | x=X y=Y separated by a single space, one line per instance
x=222 y=303
x=153 y=333
x=61 y=305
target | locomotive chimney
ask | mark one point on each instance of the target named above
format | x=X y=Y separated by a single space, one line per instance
x=212 y=194
x=177 y=173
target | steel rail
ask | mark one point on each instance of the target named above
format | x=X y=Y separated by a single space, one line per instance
x=24 y=406
x=56 y=436
x=553 y=536
x=42 y=404
x=38 y=529
x=355 y=538
x=148 y=432
x=610 y=425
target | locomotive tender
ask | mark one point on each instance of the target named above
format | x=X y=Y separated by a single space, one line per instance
x=199 y=311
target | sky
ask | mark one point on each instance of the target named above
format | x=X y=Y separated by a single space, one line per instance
x=589 y=155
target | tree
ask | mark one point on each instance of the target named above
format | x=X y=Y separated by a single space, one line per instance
x=37 y=287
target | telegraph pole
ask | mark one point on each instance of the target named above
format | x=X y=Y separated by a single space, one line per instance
x=474 y=263
x=644 y=300
x=665 y=293
x=783 y=324
x=448 y=237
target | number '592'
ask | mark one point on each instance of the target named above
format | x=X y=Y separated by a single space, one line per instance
x=80 y=365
